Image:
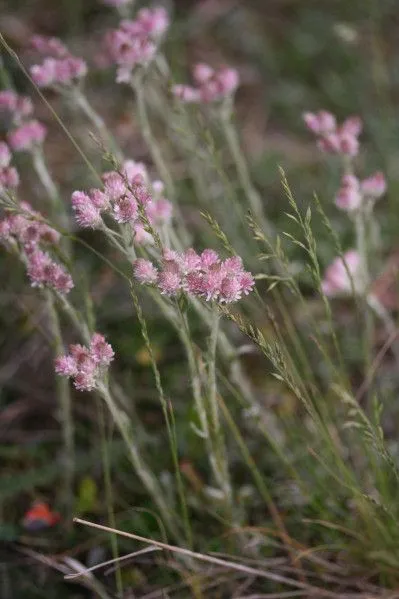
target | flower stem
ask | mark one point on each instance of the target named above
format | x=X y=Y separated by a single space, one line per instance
x=65 y=409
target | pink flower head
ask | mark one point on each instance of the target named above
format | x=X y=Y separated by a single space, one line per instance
x=48 y=46
x=125 y=209
x=44 y=74
x=153 y=21
x=158 y=187
x=202 y=72
x=5 y=155
x=63 y=71
x=42 y=271
x=86 y=365
x=100 y=350
x=230 y=290
x=141 y=236
x=87 y=214
x=348 y=144
x=337 y=280
x=160 y=212
x=209 y=258
x=375 y=186
x=140 y=190
x=352 y=126
x=320 y=123
x=9 y=178
x=144 y=271
x=186 y=93
x=169 y=282
x=190 y=261
x=114 y=185
x=132 y=169
x=66 y=366
x=27 y=136
x=228 y=80
x=349 y=196
x=16 y=106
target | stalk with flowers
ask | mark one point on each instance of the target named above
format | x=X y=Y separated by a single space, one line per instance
x=255 y=461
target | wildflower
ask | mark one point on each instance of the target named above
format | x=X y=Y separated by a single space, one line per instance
x=135 y=42
x=141 y=235
x=160 y=212
x=375 y=186
x=340 y=275
x=87 y=214
x=16 y=107
x=48 y=46
x=349 y=196
x=132 y=169
x=125 y=209
x=145 y=271
x=204 y=276
x=87 y=366
x=9 y=178
x=27 y=136
x=59 y=67
x=44 y=272
x=332 y=138
x=211 y=85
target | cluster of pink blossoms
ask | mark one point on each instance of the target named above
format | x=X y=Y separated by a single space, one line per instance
x=353 y=193
x=59 y=68
x=203 y=275
x=135 y=42
x=9 y=178
x=86 y=365
x=15 y=107
x=120 y=198
x=340 y=276
x=332 y=138
x=26 y=233
x=26 y=133
x=210 y=85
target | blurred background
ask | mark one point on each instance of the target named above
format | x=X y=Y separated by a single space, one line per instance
x=292 y=56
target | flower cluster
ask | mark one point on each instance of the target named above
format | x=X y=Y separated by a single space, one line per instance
x=27 y=136
x=353 y=193
x=25 y=133
x=59 y=69
x=332 y=138
x=342 y=274
x=135 y=42
x=203 y=275
x=9 y=178
x=124 y=195
x=26 y=232
x=86 y=365
x=15 y=107
x=210 y=85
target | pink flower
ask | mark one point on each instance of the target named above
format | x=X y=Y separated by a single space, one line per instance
x=160 y=212
x=44 y=74
x=132 y=169
x=27 y=136
x=375 y=186
x=144 y=271
x=230 y=290
x=17 y=106
x=9 y=178
x=352 y=126
x=125 y=209
x=114 y=185
x=320 y=123
x=154 y=22
x=63 y=71
x=186 y=93
x=337 y=280
x=5 y=155
x=86 y=365
x=211 y=85
x=49 y=46
x=169 y=282
x=42 y=271
x=87 y=214
x=209 y=258
x=100 y=350
x=349 y=196
x=66 y=366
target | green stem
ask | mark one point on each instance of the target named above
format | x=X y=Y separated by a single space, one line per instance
x=43 y=173
x=65 y=410
x=147 y=478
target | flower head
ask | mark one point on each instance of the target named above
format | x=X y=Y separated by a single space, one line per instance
x=145 y=271
x=375 y=186
x=27 y=136
x=349 y=196
x=211 y=85
x=87 y=366
x=340 y=275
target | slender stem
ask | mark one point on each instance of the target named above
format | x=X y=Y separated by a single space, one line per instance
x=93 y=116
x=253 y=197
x=386 y=319
x=217 y=439
x=65 y=409
x=153 y=146
x=43 y=173
x=147 y=478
